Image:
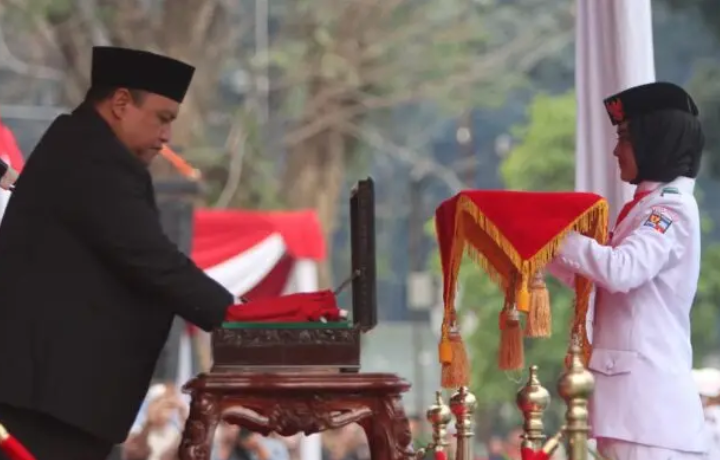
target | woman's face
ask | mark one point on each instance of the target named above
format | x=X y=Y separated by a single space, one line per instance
x=625 y=154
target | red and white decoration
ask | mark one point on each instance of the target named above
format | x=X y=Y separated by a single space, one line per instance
x=259 y=254
x=254 y=254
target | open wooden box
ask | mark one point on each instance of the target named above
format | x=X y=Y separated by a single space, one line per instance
x=317 y=346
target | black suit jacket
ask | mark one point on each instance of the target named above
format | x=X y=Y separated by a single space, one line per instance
x=89 y=283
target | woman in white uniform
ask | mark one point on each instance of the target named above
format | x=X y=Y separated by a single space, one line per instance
x=645 y=405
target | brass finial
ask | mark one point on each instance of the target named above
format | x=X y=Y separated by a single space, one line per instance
x=575 y=387
x=532 y=400
x=439 y=417
x=462 y=406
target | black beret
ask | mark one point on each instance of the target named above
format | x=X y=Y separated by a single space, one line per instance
x=648 y=98
x=141 y=70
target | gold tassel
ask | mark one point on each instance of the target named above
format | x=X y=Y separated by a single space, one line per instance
x=539 y=320
x=522 y=296
x=511 y=354
x=445 y=351
x=455 y=372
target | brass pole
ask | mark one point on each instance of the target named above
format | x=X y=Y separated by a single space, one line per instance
x=439 y=417
x=575 y=387
x=462 y=405
x=532 y=400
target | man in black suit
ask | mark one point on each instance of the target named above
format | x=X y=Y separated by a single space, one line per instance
x=89 y=283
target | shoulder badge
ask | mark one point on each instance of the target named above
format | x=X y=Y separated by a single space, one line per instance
x=670 y=191
x=658 y=220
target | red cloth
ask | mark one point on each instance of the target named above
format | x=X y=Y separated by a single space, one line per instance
x=293 y=308
x=14 y=450
x=220 y=234
x=629 y=207
x=529 y=221
x=512 y=235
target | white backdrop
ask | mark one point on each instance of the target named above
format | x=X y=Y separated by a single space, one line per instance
x=614 y=51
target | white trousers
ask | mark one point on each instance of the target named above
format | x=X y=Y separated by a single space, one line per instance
x=614 y=449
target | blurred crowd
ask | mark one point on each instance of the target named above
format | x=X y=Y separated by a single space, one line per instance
x=156 y=433
x=158 y=427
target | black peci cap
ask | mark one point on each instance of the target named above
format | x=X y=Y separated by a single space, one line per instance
x=140 y=70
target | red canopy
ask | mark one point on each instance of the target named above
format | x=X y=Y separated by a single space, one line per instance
x=253 y=253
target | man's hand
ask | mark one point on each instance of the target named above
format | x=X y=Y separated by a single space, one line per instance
x=8 y=178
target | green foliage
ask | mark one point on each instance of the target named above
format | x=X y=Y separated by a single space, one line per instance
x=705 y=309
x=544 y=159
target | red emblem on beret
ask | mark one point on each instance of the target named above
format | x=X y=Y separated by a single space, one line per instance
x=615 y=109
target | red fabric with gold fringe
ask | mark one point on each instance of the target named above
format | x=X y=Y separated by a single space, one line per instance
x=512 y=235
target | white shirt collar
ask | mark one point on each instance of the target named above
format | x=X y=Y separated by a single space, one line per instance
x=683 y=184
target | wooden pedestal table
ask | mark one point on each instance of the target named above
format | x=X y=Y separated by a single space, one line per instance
x=290 y=403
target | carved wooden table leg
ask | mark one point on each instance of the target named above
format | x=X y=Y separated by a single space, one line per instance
x=200 y=427
x=388 y=431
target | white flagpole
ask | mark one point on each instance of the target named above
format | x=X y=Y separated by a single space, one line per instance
x=614 y=51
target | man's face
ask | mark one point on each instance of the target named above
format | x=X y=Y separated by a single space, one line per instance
x=143 y=124
x=625 y=154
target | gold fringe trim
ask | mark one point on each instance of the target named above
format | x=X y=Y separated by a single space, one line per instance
x=539 y=318
x=586 y=223
x=477 y=241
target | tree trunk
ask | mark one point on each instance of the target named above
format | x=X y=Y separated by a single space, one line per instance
x=313 y=179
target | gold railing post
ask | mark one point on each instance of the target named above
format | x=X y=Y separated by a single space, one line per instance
x=575 y=387
x=462 y=406
x=439 y=417
x=532 y=400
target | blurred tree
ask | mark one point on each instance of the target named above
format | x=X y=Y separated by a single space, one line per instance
x=544 y=159
x=709 y=11
x=321 y=79
x=347 y=62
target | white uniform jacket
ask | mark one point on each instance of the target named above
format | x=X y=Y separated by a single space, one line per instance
x=645 y=285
